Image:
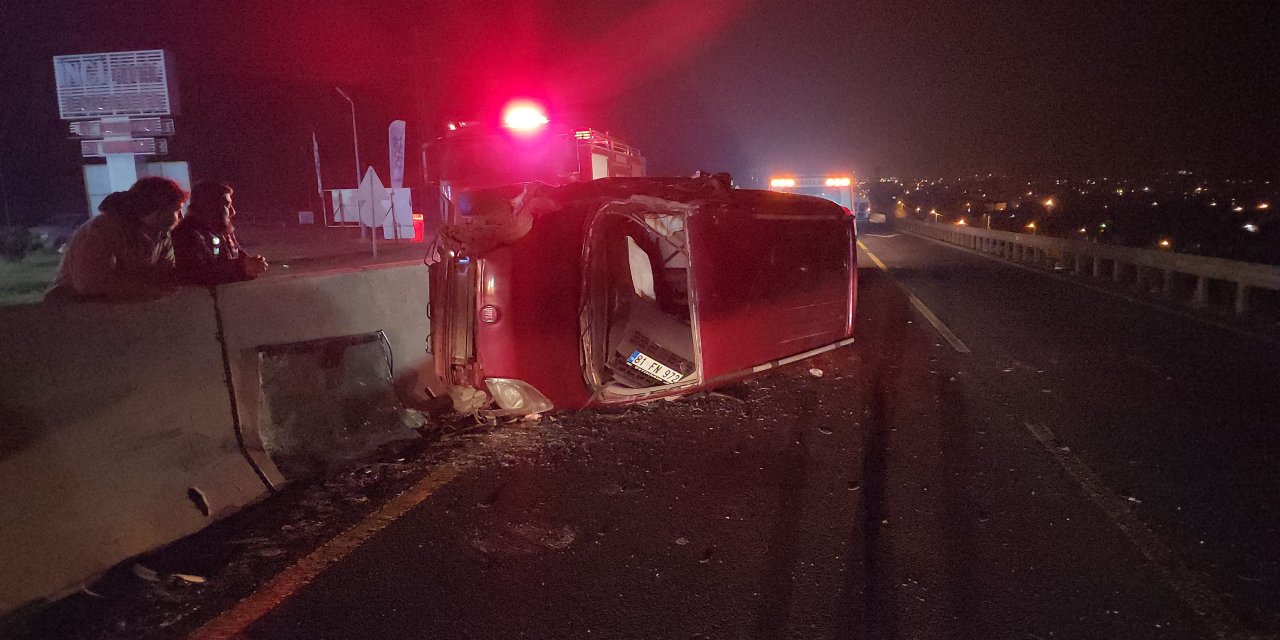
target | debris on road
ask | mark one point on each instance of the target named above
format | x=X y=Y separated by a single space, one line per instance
x=145 y=573
x=815 y=372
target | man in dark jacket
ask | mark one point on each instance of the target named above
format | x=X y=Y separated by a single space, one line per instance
x=125 y=253
x=205 y=242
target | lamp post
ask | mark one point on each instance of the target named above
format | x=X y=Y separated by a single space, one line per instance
x=355 y=141
x=355 y=138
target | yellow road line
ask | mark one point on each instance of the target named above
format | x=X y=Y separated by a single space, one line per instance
x=232 y=623
x=942 y=329
x=872 y=256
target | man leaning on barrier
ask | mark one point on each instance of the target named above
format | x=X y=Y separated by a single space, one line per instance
x=125 y=253
x=205 y=243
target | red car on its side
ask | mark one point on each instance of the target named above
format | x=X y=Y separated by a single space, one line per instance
x=625 y=289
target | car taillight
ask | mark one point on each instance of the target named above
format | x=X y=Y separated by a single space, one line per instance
x=489 y=314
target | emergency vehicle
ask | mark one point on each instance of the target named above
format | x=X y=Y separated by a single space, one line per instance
x=525 y=147
x=840 y=189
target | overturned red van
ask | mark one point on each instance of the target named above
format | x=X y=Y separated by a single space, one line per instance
x=626 y=289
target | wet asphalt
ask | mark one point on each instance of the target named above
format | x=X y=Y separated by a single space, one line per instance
x=1093 y=468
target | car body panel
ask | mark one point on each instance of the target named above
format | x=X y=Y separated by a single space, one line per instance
x=769 y=277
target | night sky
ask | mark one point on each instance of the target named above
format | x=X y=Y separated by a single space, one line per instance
x=752 y=87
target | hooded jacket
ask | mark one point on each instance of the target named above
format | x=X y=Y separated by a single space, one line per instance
x=112 y=257
x=207 y=252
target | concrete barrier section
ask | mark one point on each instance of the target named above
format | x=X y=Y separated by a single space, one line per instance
x=391 y=299
x=109 y=415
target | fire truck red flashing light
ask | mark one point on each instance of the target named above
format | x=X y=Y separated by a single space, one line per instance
x=524 y=115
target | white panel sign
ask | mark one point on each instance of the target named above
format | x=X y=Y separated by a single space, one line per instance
x=130 y=146
x=122 y=83
x=395 y=142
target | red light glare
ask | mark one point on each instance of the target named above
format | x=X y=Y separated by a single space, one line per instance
x=523 y=115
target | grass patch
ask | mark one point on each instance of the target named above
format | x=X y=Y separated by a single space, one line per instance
x=25 y=281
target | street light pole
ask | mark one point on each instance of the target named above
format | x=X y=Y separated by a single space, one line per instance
x=355 y=138
x=355 y=141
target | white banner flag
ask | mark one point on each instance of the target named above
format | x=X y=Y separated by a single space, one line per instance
x=395 y=140
x=315 y=151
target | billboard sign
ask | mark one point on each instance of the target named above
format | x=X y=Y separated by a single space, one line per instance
x=121 y=83
x=140 y=126
x=132 y=146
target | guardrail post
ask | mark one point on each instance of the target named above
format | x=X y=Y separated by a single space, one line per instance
x=1242 y=298
x=1097 y=267
x=1201 y=297
x=1077 y=265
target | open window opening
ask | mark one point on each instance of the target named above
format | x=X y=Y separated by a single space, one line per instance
x=637 y=322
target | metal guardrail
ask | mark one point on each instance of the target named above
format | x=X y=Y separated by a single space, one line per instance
x=1157 y=271
x=602 y=140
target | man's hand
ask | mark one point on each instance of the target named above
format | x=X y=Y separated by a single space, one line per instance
x=255 y=266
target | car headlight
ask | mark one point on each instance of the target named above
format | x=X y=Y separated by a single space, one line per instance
x=516 y=397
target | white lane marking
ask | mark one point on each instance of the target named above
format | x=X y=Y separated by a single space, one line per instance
x=942 y=329
x=1244 y=333
x=1197 y=595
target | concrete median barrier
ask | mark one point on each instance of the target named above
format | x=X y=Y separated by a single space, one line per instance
x=266 y=320
x=124 y=427
x=115 y=438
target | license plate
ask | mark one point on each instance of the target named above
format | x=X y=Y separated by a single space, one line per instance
x=653 y=368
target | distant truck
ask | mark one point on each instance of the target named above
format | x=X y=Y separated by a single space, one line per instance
x=839 y=189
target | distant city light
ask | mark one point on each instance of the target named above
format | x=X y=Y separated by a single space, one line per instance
x=961 y=222
x=1146 y=189
x=1251 y=227
x=1119 y=192
x=1154 y=203
x=1264 y=205
x=1165 y=244
x=1237 y=209
x=1049 y=203
x=1083 y=230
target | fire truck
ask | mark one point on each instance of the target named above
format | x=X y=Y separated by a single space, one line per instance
x=839 y=189
x=525 y=147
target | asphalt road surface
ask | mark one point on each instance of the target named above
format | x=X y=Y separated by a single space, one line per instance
x=1001 y=454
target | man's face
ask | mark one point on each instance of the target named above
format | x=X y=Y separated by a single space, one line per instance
x=164 y=220
x=226 y=210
